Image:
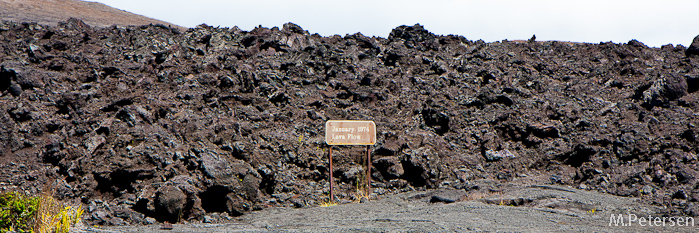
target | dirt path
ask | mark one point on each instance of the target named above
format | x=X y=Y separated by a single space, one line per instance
x=516 y=209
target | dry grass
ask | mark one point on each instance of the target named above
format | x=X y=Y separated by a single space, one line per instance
x=475 y=195
x=359 y=195
x=53 y=216
x=328 y=204
x=360 y=191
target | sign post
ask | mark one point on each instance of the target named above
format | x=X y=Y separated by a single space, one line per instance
x=350 y=132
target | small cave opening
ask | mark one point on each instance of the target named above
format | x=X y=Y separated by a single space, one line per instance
x=214 y=199
x=413 y=174
x=119 y=180
x=141 y=206
x=580 y=155
x=437 y=120
x=383 y=151
x=267 y=184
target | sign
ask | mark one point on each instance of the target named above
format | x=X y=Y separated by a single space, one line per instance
x=350 y=132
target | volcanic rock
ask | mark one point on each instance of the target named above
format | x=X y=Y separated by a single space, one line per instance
x=693 y=47
x=170 y=202
x=447 y=196
x=158 y=123
x=665 y=90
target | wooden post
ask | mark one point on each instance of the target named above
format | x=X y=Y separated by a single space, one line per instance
x=368 y=172
x=350 y=132
x=330 y=157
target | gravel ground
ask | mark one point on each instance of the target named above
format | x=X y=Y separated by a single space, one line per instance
x=513 y=209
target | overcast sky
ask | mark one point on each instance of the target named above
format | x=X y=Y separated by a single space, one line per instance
x=655 y=23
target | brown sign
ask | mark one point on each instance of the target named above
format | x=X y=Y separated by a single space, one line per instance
x=350 y=132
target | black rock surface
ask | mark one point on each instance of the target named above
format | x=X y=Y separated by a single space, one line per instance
x=131 y=120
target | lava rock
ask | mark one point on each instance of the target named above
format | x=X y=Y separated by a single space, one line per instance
x=437 y=120
x=170 y=203
x=208 y=219
x=664 y=90
x=223 y=172
x=390 y=167
x=15 y=89
x=447 y=196
x=6 y=77
x=415 y=33
x=131 y=216
x=492 y=156
x=353 y=174
x=235 y=205
x=228 y=104
x=693 y=48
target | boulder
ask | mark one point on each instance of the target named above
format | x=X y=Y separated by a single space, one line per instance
x=415 y=33
x=6 y=77
x=169 y=203
x=492 y=155
x=693 y=48
x=235 y=205
x=390 y=167
x=223 y=172
x=665 y=89
x=15 y=89
x=447 y=196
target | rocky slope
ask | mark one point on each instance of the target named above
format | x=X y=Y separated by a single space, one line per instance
x=152 y=123
x=51 y=12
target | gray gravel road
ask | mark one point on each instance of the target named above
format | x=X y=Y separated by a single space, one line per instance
x=515 y=209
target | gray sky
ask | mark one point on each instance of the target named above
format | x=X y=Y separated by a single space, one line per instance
x=655 y=23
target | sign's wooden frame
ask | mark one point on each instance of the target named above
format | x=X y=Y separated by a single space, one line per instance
x=350 y=132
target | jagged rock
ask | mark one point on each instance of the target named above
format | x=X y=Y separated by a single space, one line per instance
x=492 y=156
x=293 y=28
x=15 y=89
x=131 y=216
x=415 y=33
x=233 y=119
x=437 y=120
x=169 y=204
x=353 y=173
x=447 y=196
x=223 y=172
x=93 y=143
x=693 y=48
x=390 y=167
x=6 y=77
x=235 y=205
x=665 y=89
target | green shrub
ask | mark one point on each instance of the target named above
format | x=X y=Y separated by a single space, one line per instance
x=44 y=213
x=17 y=212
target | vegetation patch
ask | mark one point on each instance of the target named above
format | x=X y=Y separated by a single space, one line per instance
x=22 y=213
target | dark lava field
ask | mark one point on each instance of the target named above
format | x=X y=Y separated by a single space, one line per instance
x=147 y=123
